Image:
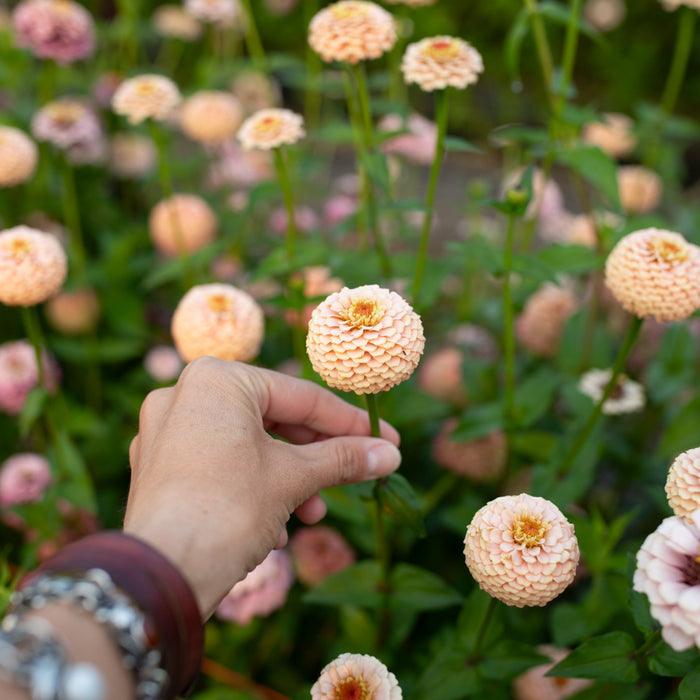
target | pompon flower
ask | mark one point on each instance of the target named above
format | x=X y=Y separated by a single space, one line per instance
x=23 y=478
x=351 y=31
x=365 y=339
x=683 y=483
x=271 y=128
x=132 y=155
x=653 y=272
x=210 y=116
x=146 y=96
x=357 y=676
x=540 y=325
x=261 y=592
x=163 y=363
x=626 y=397
x=218 y=320
x=439 y=62
x=613 y=135
x=521 y=550
x=58 y=29
x=183 y=223
x=19 y=374
x=226 y=13
x=604 y=15
x=18 y=156
x=73 y=312
x=33 y=266
x=640 y=188
x=482 y=459
x=318 y=552
x=535 y=684
x=440 y=375
x=173 y=21
x=668 y=573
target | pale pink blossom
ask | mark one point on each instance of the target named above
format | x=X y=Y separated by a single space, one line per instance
x=163 y=363
x=339 y=208
x=418 y=145
x=19 y=374
x=132 y=155
x=318 y=552
x=256 y=91
x=535 y=684
x=73 y=312
x=305 y=219
x=146 y=96
x=183 y=223
x=224 y=13
x=24 y=478
x=239 y=167
x=271 y=128
x=604 y=15
x=440 y=375
x=173 y=21
x=358 y=676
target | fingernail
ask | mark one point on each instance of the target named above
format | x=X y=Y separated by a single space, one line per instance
x=382 y=459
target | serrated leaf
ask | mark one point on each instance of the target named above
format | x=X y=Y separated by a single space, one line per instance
x=414 y=588
x=359 y=584
x=400 y=502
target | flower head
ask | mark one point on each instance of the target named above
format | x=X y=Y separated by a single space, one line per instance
x=613 y=135
x=271 y=128
x=683 y=483
x=58 y=29
x=73 y=312
x=356 y=677
x=174 y=21
x=656 y=273
x=182 y=224
x=440 y=375
x=19 y=374
x=535 y=684
x=261 y=592
x=237 y=166
x=668 y=573
x=418 y=145
x=218 y=320
x=33 y=266
x=351 y=31
x=640 y=188
x=317 y=552
x=604 y=15
x=23 y=478
x=225 y=13
x=131 y=155
x=163 y=363
x=365 y=339
x=521 y=550
x=210 y=116
x=440 y=62
x=146 y=96
x=18 y=157
x=627 y=396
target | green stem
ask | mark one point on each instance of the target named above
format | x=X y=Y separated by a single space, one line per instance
x=542 y=44
x=441 y=119
x=373 y=412
x=481 y=634
x=71 y=214
x=508 y=326
x=650 y=643
x=286 y=186
x=33 y=329
x=363 y=101
x=444 y=485
x=252 y=39
x=312 y=93
x=618 y=366
x=569 y=58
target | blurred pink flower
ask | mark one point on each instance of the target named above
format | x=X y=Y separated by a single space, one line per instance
x=534 y=684
x=440 y=375
x=237 y=166
x=59 y=29
x=317 y=552
x=261 y=592
x=23 y=478
x=131 y=155
x=305 y=219
x=163 y=363
x=105 y=86
x=73 y=312
x=338 y=208
x=19 y=374
x=418 y=145
x=604 y=15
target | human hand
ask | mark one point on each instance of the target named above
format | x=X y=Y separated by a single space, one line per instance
x=210 y=487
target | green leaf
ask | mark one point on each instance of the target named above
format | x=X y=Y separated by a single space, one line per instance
x=673 y=364
x=359 y=584
x=689 y=689
x=32 y=409
x=454 y=143
x=508 y=659
x=73 y=469
x=597 y=167
x=534 y=395
x=349 y=502
x=531 y=267
x=448 y=677
x=479 y=421
x=359 y=630
x=400 y=502
x=414 y=588
x=681 y=432
x=480 y=255
x=607 y=657
x=570 y=259
x=664 y=661
x=533 y=444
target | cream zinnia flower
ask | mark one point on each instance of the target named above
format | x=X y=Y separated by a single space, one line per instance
x=521 y=550
x=441 y=61
x=18 y=157
x=33 y=266
x=182 y=224
x=174 y=21
x=365 y=340
x=271 y=128
x=683 y=483
x=627 y=396
x=210 y=116
x=640 y=188
x=653 y=272
x=146 y=96
x=351 y=31
x=613 y=135
x=218 y=320
x=356 y=676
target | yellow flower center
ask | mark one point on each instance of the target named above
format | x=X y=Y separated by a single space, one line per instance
x=219 y=303
x=364 y=312
x=349 y=10
x=62 y=6
x=20 y=247
x=268 y=125
x=442 y=49
x=146 y=88
x=65 y=113
x=669 y=251
x=352 y=688
x=529 y=530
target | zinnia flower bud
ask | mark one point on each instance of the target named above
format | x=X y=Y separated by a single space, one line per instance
x=627 y=396
x=175 y=22
x=19 y=374
x=271 y=128
x=358 y=676
x=146 y=96
x=23 y=479
x=683 y=483
x=521 y=550
x=182 y=224
x=33 y=266
x=640 y=189
x=613 y=135
x=351 y=31
x=218 y=320
x=441 y=61
x=318 y=552
x=535 y=684
x=365 y=340
x=18 y=157
x=210 y=116
x=73 y=312
x=656 y=273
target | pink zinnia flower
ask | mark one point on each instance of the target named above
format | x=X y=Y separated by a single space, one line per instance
x=535 y=684
x=23 y=479
x=339 y=208
x=59 y=29
x=210 y=116
x=305 y=219
x=19 y=374
x=148 y=96
x=163 y=363
x=239 y=167
x=440 y=375
x=318 y=552
x=356 y=676
x=640 y=189
x=418 y=145
x=261 y=592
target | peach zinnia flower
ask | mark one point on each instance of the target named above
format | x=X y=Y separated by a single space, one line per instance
x=683 y=483
x=357 y=676
x=174 y=21
x=146 y=96
x=351 y=31
x=18 y=156
x=218 y=320
x=521 y=550
x=640 y=189
x=182 y=224
x=317 y=552
x=33 y=266
x=163 y=363
x=613 y=135
x=604 y=15
x=441 y=61
x=210 y=116
x=23 y=478
x=365 y=340
x=73 y=312
x=653 y=272
x=535 y=684
x=440 y=375
x=271 y=128
x=131 y=155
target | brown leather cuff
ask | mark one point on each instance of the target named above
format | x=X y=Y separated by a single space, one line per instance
x=155 y=585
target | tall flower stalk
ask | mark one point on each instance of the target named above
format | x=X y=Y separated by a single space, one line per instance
x=252 y=39
x=286 y=187
x=509 y=325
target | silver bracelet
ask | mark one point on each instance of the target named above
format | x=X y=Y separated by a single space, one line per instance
x=93 y=591
x=31 y=657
